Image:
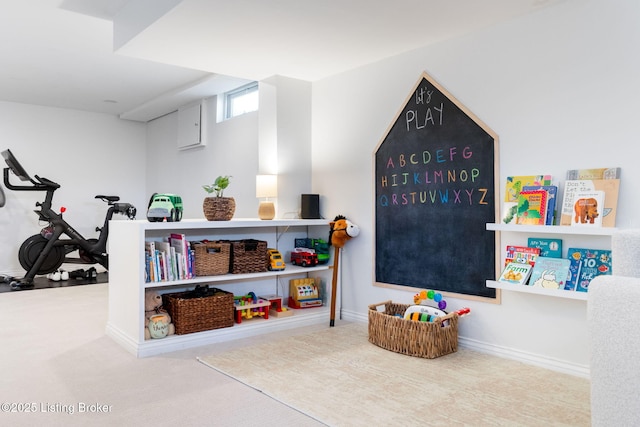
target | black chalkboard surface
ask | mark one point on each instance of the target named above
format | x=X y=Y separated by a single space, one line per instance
x=435 y=191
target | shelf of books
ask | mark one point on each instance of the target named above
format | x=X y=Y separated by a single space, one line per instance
x=583 y=216
x=131 y=275
x=560 y=293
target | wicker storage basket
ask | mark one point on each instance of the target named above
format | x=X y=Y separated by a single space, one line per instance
x=248 y=256
x=191 y=312
x=422 y=339
x=211 y=258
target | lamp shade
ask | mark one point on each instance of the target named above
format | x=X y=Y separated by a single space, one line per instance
x=266 y=185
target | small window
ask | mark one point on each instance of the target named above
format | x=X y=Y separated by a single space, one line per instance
x=241 y=100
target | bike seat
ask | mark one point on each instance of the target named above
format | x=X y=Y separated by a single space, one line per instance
x=109 y=198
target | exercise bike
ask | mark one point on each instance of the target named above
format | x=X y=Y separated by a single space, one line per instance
x=46 y=251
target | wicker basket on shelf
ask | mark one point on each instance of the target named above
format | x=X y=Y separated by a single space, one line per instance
x=388 y=329
x=211 y=258
x=248 y=256
x=200 y=310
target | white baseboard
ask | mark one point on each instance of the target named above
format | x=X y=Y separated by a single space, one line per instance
x=505 y=352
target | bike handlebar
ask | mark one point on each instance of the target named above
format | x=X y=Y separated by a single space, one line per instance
x=125 y=209
x=39 y=184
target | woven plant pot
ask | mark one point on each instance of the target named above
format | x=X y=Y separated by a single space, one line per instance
x=219 y=208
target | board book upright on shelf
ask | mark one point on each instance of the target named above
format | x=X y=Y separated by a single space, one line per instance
x=552 y=203
x=516 y=273
x=588 y=207
x=514 y=185
x=597 y=179
x=521 y=255
x=550 y=273
x=572 y=190
x=597 y=173
x=532 y=207
x=585 y=265
x=551 y=248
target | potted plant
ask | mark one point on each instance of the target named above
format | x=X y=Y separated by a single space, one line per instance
x=218 y=207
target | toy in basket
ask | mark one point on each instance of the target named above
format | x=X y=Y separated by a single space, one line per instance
x=433 y=332
x=425 y=313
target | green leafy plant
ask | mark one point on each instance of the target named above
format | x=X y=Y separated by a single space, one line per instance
x=218 y=186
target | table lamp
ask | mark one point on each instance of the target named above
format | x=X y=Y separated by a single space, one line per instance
x=266 y=186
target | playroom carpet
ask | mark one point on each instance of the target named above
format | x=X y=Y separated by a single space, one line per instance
x=337 y=377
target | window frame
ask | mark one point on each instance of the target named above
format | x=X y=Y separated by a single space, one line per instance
x=231 y=96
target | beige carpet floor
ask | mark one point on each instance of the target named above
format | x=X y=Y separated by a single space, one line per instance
x=337 y=377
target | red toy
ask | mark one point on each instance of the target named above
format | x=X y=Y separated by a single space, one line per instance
x=250 y=306
x=304 y=257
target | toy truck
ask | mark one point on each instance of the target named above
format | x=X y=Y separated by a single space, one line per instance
x=304 y=256
x=320 y=246
x=164 y=207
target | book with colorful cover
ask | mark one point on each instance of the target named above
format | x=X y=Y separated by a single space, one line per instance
x=181 y=245
x=551 y=248
x=610 y=187
x=532 y=207
x=588 y=207
x=514 y=186
x=597 y=173
x=552 y=195
x=550 y=273
x=521 y=255
x=585 y=265
x=516 y=273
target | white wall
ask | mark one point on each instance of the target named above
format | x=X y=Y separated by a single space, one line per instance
x=560 y=89
x=276 y=139
x=86 y=153
x=231 y=149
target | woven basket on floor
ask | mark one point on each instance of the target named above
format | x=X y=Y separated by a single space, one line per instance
x=189 y=315
x=211 y=258
x=389 y=330
x=248 y=256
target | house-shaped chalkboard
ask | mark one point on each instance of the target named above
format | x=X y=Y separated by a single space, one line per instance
x=435 y=191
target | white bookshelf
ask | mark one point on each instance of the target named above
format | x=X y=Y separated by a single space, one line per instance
x=127 y=284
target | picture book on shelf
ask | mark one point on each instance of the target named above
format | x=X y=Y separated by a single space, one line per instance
x=521 y=255
x=597 y=173
x=552 y=194
x=516 y=273
x=587 y=208
x=550 y=273
x=585 y=265
x=572 y=188
x=551 y=248
x=514 y=186
x=532 y=207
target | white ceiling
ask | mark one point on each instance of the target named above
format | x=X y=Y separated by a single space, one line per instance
x=62 y=53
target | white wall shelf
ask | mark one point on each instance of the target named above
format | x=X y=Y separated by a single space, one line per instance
x=538 y=291
x=566 y=230
x=127 y=284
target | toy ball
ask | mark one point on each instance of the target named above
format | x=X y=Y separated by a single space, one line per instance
x=442 y=304
x=430 y=294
